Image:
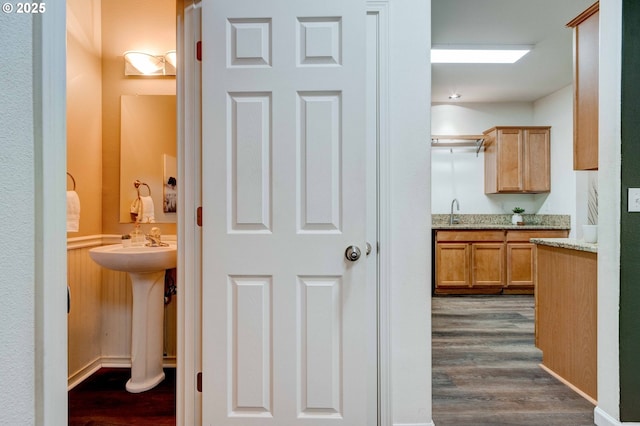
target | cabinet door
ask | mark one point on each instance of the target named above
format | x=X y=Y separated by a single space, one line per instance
x=509 y=152
x=452 y=265
x=585 y=115
x=520 y=265
x=487 y=264
x=537 y=160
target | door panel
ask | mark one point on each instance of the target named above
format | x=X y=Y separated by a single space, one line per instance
x=537 y=162
x=509 y=159
x=452 y=265
x=487 y=264
x=520 y=264
x=285 y=316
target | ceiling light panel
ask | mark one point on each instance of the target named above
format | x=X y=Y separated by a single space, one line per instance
x=461 y=55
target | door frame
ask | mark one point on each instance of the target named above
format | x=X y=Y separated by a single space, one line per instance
x=50 y=256
x=189 y=136
x=380 y=9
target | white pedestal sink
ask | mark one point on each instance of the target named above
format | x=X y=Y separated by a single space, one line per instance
x=146 y=267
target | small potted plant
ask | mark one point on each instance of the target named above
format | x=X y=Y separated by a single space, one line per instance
x=517 y=215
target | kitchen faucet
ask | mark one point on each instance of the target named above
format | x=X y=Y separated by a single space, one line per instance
x=453 y=220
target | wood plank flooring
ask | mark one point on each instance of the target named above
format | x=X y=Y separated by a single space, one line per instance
x=102 y=400
x=485 y=372
x=485 y=367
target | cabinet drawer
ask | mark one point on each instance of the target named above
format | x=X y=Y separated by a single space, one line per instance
x=469 y=236
x=525 y=236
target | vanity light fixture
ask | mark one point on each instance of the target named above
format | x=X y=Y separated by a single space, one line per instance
x=457 y=54
x=138 y=63
x=455 y=96
x=171 y=57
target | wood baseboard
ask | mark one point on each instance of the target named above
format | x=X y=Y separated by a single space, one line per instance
x=517 y=291
x=444 y=291
x=566 y=382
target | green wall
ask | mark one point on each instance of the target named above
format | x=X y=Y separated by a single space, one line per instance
x=630 y=222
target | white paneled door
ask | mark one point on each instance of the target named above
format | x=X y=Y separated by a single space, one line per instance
x=287 y=318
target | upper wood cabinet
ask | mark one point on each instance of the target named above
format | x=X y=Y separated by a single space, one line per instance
x=517 y=160
x=585 y=88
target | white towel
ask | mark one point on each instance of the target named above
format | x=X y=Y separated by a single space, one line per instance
x=148 y=213
x=73 y=211
x=136 y=207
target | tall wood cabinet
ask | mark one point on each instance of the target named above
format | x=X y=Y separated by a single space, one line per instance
x=517 y=159
x=585 y=88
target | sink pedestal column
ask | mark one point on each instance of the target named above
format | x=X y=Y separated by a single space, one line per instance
x=146 y=331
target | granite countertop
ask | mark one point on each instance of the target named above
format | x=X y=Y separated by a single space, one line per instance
x=568 y=243
x=501 y=221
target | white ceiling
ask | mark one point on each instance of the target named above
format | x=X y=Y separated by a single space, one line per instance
x=547 y=68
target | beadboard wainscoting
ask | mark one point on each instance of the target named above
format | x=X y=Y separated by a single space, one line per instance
x=99 y=322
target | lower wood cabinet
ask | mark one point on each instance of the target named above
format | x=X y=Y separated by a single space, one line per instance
x=567 y=316
x=486 y=265
x=469 y=261
x=487 y=262
x=452 y=265
x=521 y=258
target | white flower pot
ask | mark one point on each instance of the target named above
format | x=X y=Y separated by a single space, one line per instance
x=516 y=218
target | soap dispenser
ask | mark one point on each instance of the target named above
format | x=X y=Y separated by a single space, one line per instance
x=137 y=237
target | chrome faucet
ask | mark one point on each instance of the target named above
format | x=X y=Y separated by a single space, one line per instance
x=154 y=238
x=454 y=220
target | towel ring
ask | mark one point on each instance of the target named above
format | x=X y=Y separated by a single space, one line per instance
x=73 y=180
x=137 y=184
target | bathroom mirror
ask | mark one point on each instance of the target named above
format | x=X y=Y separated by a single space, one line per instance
x=148 y=154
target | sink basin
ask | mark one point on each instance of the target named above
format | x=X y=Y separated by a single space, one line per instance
x=134 y=259
x=146 y=267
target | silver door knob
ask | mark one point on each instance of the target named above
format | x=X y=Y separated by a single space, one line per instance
x=352 y=253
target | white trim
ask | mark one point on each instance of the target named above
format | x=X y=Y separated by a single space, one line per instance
x=189 y=316
x=109 y=362
x=601 y=418
x=125 y=362
x=385 y=414
x=50 y=258
x=84 y=373
x=103 y=239
x=82 y=242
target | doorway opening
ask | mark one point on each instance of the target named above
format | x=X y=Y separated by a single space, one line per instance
x=534 y=91
x=99 y=321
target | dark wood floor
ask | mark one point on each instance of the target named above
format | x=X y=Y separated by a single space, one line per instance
x=102 y=400
x=485 y=367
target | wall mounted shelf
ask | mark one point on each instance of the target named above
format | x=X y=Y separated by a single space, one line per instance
x=456 y=141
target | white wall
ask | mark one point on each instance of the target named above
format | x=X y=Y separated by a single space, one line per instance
x=409 y=89
x=609 y=212
x=17 y=246
x=568 y=187
x=460 y=174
